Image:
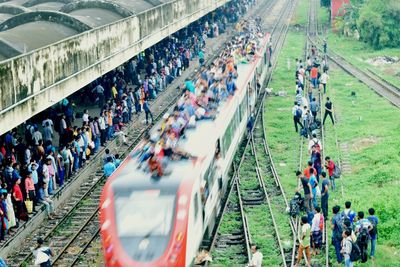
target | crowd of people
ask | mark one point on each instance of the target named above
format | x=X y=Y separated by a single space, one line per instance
x=33 y=165
x=351 y=232
x=200 y=100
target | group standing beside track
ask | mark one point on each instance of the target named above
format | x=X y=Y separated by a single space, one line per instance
x=33 y=166
x=351 y=231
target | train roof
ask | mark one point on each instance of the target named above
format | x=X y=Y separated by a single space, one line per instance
x=198 y=141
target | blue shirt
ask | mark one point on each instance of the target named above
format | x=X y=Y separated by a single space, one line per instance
x=374 y=219
x=313 y=182
x=324 y=183
x=190 y=86
x=109 y=168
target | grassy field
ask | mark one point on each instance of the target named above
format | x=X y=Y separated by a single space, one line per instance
x=359 y=53
x=367 y=124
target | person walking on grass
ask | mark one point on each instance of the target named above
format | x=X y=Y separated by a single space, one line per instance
x=347 y=247
x=297 y=114
x=328 y=111
x=374 y=232
x=304 y=240
x=337 y=230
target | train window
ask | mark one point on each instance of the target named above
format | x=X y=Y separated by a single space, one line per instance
x=243 y=107
x=153 y=214
x=196 y=206
x=230 y=132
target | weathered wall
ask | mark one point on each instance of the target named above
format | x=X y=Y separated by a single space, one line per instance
x=35 y=81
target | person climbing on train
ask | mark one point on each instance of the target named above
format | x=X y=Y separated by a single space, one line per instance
x=304 y=236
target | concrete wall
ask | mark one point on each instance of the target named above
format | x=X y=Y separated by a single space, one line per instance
x=35 y=81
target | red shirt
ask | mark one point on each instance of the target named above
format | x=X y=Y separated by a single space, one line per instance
x=314 y=72
x=330 y=167
x=18 y=192
x=307 y=172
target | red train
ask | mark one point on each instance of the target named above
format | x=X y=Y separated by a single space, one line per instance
x=148 y=222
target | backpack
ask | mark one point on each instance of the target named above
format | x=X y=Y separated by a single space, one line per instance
x=362 y=241
x=355 y=254
x=321 y=222
x=339 y=224
x=298 y=113
x=295 y=205
x=317 y=146
x=374 y=230
x=348 y=217
x=303 y=132
x=336 y=172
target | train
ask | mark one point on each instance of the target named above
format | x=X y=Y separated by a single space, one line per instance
x=162 y=222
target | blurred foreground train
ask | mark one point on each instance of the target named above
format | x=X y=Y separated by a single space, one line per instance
x=148 y=222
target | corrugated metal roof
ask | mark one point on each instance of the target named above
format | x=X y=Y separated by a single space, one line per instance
x=21 y=34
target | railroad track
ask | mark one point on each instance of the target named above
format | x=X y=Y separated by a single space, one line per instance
x=312 y=33
x=72 y=241
x=254 y=191
x=381 y=86
x=75 y=231
x=275 y=194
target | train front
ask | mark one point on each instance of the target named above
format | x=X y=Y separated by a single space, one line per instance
x=143 y=223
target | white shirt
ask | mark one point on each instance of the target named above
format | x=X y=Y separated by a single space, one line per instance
x=85 y=117
x=256 y=260
x=315 y=222
x=47 y=120
x=324 y=78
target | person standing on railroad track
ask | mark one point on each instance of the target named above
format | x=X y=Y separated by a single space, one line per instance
x=304 y=240
x=305 y=183
x=330 y=166
x=297 y=113
x=328 y=110
x=314 y=107
x=256 y=258
x=42 y=254
x=324 y=80
x=324 y=194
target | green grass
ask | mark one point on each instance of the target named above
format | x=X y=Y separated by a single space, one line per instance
x=359 y=52
x=368 y=124
x=300 y=15
x=323 y=16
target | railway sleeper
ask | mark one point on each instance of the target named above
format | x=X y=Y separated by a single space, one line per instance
x=253 y=202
